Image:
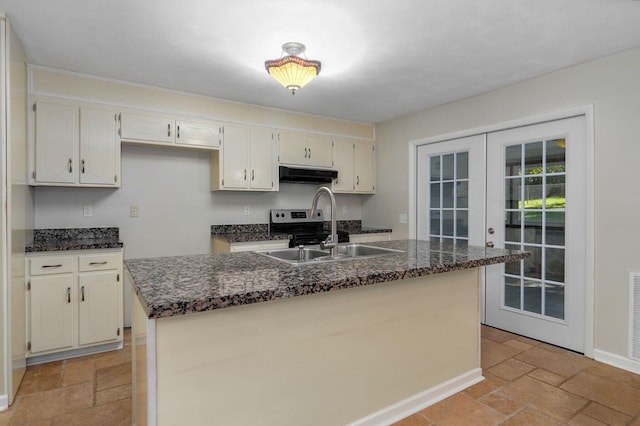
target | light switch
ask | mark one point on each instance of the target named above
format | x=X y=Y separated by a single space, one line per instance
x=402 y=218
x=87 y=211
x=134 y=211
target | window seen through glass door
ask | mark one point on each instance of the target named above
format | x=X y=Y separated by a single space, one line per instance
x=449 y=197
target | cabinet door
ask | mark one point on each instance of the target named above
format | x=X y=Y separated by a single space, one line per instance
x=99 y=147
x=320 y=151
x=262 y=161
x=292 y=148
x=56 y=143
x=203 y=133
x=150 y=128
x=98 y=307
x=365 y=167
x=51 y=312
x=343 y=151
x=235 y=157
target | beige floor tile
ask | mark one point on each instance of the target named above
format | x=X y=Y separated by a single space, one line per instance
x=461 y=409
x=495 y=334
x=493 y=353
x=615 y=374
x=116 y=413
x=110 y=359
x=43 y=405
x=502 y=403
x=415 y=420
x=582 y=420
x=635 y=421
x=606 y=392
x=42 y=377
x=517 y=344
x=113 y=394
x=547 y=376
x=544 y=398
x=488 y=385
x=563 y=363
x=78 y=372
x=531 y=417
x=511 y=369
x=110 y=377
x=606 y=414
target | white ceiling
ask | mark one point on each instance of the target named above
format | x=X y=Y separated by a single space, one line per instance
x=381 y=59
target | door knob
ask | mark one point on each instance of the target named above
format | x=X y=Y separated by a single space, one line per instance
x=491 y=231
x=489 y=244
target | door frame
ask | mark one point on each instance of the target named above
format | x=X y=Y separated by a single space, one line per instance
x=588 y=112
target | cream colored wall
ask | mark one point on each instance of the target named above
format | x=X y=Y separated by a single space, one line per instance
x=612 y=85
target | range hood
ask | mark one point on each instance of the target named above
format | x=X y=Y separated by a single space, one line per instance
x=298 y=175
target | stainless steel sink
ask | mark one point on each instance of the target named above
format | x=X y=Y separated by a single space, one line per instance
x=313 y=255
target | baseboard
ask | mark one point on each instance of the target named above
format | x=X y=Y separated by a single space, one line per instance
x=4 y=402
x=74 y=353
x=617 y=361
x=422 y=400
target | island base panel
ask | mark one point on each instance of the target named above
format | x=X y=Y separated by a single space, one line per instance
x=327 y=358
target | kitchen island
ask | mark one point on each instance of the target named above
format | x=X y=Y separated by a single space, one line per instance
x=243 y=339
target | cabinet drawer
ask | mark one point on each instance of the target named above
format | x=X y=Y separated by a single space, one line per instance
x=99 y=262
x=51 y=265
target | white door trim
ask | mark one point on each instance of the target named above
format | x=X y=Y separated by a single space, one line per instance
x=588 y=112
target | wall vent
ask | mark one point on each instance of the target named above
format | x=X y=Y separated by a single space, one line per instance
x=634 y=316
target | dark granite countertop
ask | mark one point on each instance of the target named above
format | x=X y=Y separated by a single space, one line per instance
x=168 y=286
x=65 y=239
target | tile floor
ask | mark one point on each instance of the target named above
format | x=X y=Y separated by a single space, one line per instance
x=86 y=391
x=527 y=383
x=531 y=383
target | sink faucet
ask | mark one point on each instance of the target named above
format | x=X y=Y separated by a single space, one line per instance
x=332 y=240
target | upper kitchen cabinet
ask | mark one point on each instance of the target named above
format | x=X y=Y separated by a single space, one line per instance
x=75 y=146
x=246 y=160
x=167 y=130
x=355 y=162
x=300 y=149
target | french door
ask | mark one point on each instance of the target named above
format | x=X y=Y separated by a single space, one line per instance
x=524 y=190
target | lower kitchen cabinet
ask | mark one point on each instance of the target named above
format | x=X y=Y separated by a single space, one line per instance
x=74 y=302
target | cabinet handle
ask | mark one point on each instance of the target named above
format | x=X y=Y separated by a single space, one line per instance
x=305 y=153
x=59 y=265
x=309 y=152
x=357 y=180
x=82 y=165
x=169 y=129
x=253 y=174
x=68 y=294
x=70 y=165
x=178 y=131
x=82 y=291
x=245 y=174
x=98 y=263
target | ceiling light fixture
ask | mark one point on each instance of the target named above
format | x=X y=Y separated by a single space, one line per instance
x=292 y=71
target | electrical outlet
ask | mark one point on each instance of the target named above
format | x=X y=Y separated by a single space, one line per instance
x=247 y=210
x=345 y=209
x=134 y=211
x=403 y=218
x=87 y=211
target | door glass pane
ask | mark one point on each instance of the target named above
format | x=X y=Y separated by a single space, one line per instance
x=448 y=170
x=434 y=167
x=512 y=292
x=533 y=158
x=535 y=206
x=462 y=164
x=554 y=301
x=513 y=162
x=449 y=197
x=532 y=297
